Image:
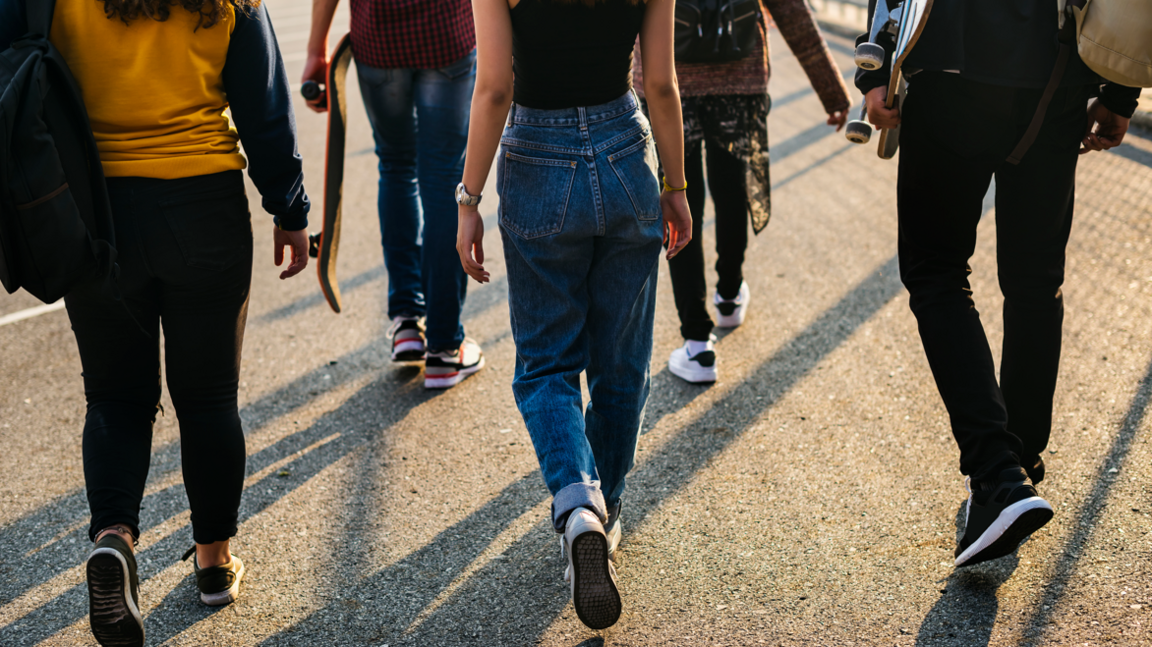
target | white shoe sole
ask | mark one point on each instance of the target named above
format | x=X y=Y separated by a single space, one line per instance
x=1016 y=522
x=452 y=379
x=229 y=596
x=113 y=614
x=731 y=321
x=693 y=372
x=408 y=351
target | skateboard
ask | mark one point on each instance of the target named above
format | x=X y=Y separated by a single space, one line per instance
x=325 y=246
x=905 y=23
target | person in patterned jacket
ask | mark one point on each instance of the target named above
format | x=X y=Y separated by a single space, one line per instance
x=416 y=62
x=725 y=109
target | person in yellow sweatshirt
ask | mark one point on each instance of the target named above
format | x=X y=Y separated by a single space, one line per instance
x=156 y=77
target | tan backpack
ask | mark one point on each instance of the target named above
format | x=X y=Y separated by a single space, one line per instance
x=1114 y=38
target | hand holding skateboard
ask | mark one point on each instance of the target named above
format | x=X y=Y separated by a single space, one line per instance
x=315 y=80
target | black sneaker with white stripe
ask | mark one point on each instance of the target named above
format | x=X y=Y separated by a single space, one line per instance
x=114 y=594
x=407 y=339
x=1000 y=515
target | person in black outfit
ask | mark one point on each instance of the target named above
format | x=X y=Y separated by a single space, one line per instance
x=982 y=69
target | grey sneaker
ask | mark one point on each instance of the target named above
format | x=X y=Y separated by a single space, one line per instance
x=219 y=585
x=114 y=594
x=590 y=571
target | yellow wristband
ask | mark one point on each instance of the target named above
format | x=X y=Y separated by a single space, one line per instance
x=668 y=187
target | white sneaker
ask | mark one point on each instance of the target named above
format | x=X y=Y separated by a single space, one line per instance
x=444 y=370
x=730 y=313
x=590 y=571
x=407 y=339
x=696 y=367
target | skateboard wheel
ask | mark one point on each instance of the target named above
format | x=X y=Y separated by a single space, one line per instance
x=310 y=90
x=314 y=245
x=858 y=132
x=869 y=56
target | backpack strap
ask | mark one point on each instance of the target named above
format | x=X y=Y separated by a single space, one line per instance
x=39 y=14
x=1067 y=41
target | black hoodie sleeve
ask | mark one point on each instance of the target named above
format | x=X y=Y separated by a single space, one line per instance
x=258 y=92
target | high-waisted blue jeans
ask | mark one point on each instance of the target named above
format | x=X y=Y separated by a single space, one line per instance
x=420 y=123
x=582 y=229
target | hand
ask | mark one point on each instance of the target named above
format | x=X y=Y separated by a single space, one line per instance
x=838 y=119
x=469 y=237
x=677 y=221
x=316 y=69
x=878 y=114
x=1110 y=128
x=298 y=241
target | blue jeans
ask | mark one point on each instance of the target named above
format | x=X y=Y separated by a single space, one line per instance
x=581 y=224
x=420 y=124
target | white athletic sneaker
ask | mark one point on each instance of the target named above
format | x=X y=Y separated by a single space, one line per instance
x=407 y=339
x=444 y=370
x=696 y=367
x=730 y=313
x=590 y=571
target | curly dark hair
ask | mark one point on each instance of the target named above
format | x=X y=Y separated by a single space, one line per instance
x=159 y=10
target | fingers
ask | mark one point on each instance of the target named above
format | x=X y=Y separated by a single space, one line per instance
x=318 y=105
x=299 y=246
x=277 y=250
x=471 y=267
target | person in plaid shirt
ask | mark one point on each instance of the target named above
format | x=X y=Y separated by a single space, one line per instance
x=416 y=62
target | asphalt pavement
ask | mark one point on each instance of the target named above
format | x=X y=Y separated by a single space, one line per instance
x=810 y=497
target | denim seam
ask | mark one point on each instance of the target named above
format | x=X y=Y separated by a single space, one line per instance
x=509 y=141
x=638 y=130
x=564 y=206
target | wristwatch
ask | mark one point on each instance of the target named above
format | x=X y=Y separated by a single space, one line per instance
x=464 y=199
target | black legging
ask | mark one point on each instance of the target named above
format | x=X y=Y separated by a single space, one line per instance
x=729 y=195
x=185 y=256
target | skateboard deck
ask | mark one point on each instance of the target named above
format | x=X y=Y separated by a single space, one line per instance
x=325 y=247
x=913 y=15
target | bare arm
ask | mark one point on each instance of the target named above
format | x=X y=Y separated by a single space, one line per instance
x=490 y=102
x=316 y=65
x=663 y=96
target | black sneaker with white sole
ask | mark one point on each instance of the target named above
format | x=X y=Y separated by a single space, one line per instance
x=219 y=585
x=447 y=369
x=590 y=571
x=1000 y=515
x=114 y=594
x=407 y=339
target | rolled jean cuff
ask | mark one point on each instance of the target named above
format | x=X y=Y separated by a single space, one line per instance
x=578 y=495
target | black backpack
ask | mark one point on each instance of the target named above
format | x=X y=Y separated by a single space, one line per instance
x=715 y=31
x=56 y=229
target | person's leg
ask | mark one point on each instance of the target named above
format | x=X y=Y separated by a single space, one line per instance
x=201 y=250
x=1034 y=203
x=388 y=99
x=121 y=370
x=622 y=282
x=443 y=102
x=948 y=152
x=547 y=224
x=686 y=269
x=727 y=177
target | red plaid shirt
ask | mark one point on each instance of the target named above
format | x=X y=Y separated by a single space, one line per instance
x=411 y=34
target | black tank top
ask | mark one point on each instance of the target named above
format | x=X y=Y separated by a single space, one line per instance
x=567 y=54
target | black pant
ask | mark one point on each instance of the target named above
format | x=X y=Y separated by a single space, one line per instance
x=956 y=136
x=726 y=177
x=185 y=256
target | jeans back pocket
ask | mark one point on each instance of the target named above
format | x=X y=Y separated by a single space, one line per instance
x=635 y=166
x=534 y=194
x=213 y=230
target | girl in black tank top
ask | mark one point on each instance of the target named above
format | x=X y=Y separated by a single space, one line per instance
x=582 y=217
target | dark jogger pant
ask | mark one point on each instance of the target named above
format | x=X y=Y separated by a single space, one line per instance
x=185 y=256
x=726 y=174
x=956 y=137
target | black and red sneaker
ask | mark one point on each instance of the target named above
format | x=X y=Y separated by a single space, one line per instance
x=407 y=339
x=446 y=369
